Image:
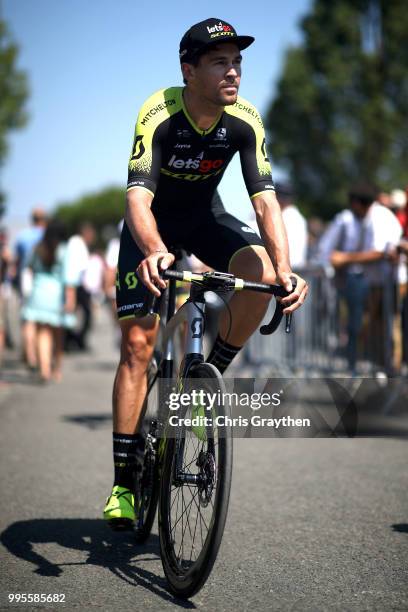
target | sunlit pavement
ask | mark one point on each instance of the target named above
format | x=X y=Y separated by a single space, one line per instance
x=313 y=524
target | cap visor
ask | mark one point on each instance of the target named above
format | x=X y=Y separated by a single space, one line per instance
x=243 y=41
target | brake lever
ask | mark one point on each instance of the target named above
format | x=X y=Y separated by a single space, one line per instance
x=278 y=315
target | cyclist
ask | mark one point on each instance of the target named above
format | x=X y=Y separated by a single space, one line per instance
x=184 y=139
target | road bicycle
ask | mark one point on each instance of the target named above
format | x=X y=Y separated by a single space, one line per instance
x=187 y=467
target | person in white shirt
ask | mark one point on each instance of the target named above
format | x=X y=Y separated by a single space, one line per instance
x=111 y=264
x=77 y=264
x=295 y=224
x=359 y=244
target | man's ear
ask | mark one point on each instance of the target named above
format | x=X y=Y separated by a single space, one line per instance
x=187 y=70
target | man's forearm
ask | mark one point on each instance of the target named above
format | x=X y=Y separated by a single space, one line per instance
x=141 y=222
x=272 y=230
x=362 y=257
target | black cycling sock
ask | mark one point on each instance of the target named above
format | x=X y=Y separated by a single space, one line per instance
x=126 y=450
x=222 y=354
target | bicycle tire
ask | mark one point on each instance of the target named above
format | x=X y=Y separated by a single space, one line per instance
x=147 y=485
x=186 y=581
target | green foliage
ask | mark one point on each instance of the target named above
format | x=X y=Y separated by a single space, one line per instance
x=341 y=109
x=102 y=208
x=13 y=94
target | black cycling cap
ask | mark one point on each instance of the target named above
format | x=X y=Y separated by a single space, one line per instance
x=209 y=32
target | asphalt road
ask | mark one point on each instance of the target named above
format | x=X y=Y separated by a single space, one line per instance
x=313 y=524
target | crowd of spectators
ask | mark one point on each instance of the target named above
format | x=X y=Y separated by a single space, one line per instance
x=364 y=249
x=61 y=279
x=58 y=281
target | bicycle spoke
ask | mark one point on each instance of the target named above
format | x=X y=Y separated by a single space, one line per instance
x=190 y=503
x=195 y=529
x=201 y=530
x=174 y=527
x=175 y=497
x=188 y=524
x=192 y=461
x=182 y=514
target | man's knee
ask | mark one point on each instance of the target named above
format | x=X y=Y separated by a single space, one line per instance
x=137 y=343
x=253 y=264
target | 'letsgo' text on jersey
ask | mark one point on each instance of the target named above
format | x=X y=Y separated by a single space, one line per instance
x=156 y=109
x=203 y=165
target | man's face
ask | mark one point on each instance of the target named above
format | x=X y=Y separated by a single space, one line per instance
x=218 y=74
x=358 y=209
x=89 y=235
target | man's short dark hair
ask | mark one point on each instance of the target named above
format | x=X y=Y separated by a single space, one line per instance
x=363 y=192
x=194 y=60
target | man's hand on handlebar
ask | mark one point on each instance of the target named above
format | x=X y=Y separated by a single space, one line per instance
x=148 y=270
x=295 y=300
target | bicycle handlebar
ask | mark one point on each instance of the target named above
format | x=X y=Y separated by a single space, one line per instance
x=213 y=281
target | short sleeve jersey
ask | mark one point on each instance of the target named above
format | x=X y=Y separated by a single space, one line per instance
x=181 y=165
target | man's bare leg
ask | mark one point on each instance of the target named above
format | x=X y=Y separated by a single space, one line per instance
x=129 y=389
x=44 y=344
x=247 y=308
x=29 y=338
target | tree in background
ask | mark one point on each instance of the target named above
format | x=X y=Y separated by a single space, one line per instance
x=13 y=94
x=341 y=109
x=103 y=208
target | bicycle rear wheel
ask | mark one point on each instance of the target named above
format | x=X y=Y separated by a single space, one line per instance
x=194 y=490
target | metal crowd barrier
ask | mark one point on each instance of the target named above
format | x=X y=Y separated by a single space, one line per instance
x=317 y=343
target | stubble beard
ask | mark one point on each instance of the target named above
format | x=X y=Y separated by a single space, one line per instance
x=227 y=100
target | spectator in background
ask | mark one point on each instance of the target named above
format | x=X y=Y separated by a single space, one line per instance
x=93 y=278
x=25 y=243
x=5 y=261
x=27 y=240
x=403 y=295
x=295 y=224
x=111 y=264
x=77 y=262
x=398 y=204
x=384 y=198
x=51 y=297
x=357 y=244
x=315 y=230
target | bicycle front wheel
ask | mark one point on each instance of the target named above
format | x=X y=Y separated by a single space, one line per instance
x=195 y=488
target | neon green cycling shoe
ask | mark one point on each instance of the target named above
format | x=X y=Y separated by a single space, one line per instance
x=120 y=508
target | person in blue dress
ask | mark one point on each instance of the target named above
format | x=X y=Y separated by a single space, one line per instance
x=51 y=303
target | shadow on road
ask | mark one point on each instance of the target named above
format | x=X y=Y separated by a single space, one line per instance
x=14 y=372
x=91 y=421
x=400 y=527
x=115 y=551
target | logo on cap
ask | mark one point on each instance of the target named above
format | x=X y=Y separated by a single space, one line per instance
x=219 y=27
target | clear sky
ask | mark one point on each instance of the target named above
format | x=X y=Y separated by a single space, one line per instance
x=91 y=64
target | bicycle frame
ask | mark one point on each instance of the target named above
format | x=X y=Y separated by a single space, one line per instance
x=192 y=312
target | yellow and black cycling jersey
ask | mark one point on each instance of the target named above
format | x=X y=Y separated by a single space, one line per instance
x=176 y=161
